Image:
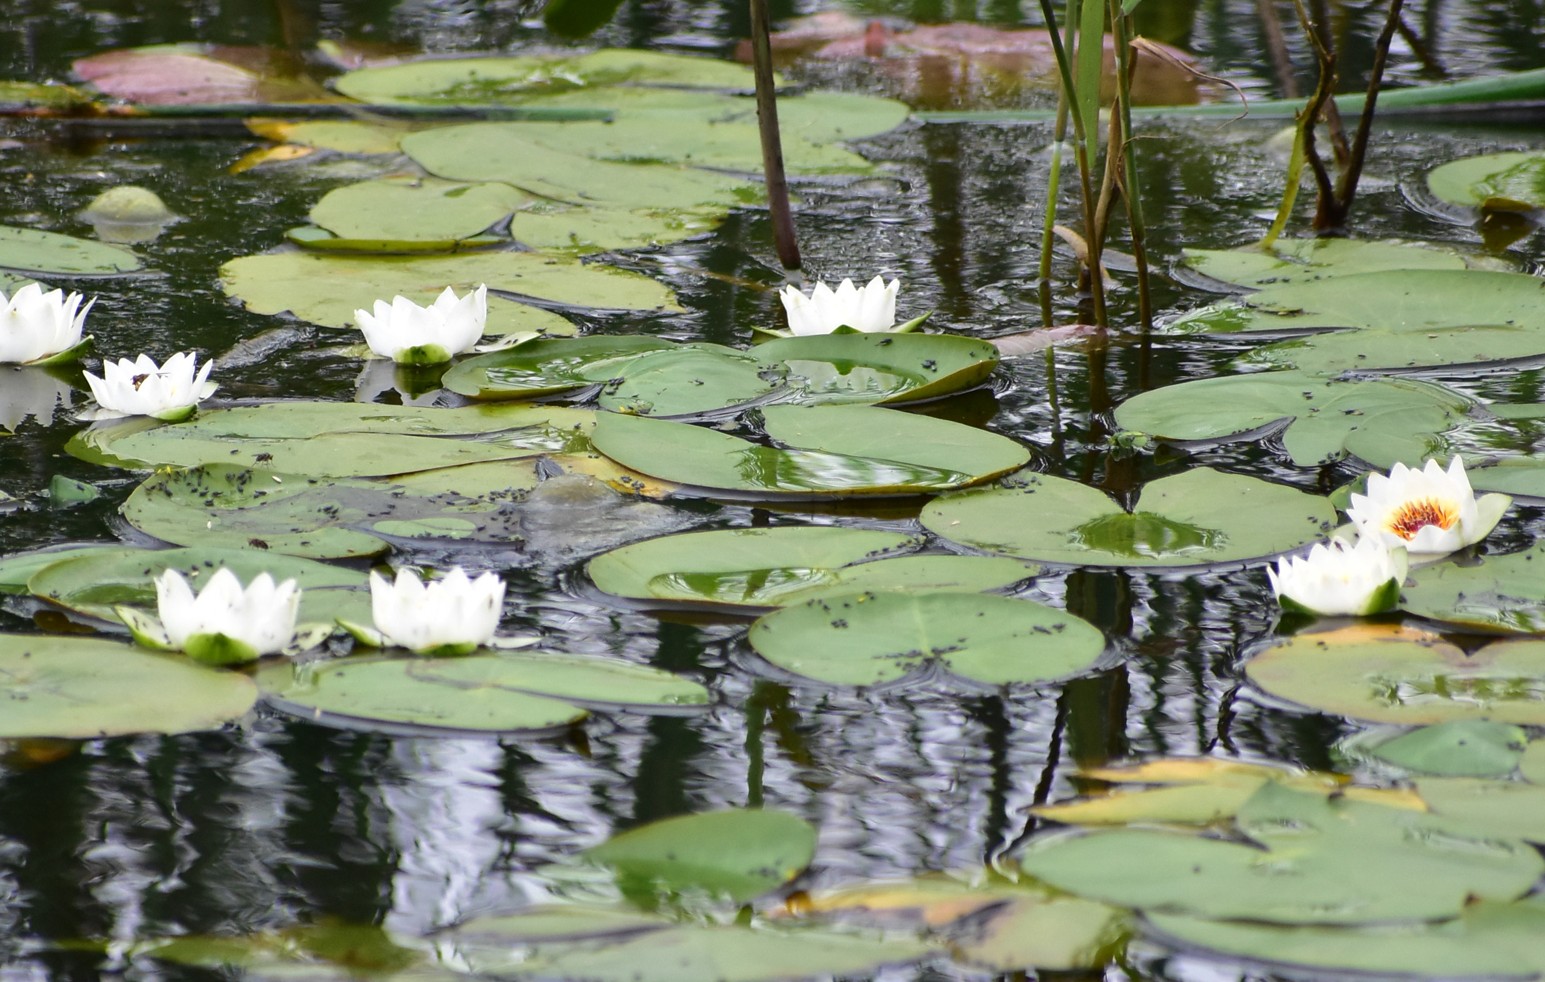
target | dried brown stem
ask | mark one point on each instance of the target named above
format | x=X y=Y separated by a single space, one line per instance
x=784 y=241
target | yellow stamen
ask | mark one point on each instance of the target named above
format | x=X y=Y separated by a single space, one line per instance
x=1413 y=516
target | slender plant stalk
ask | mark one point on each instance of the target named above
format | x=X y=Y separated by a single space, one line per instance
x=784 y=241
x=1346 y=188
x=1054 y=173
x=1276 y=46
x=1295 y=176
x=1309 y=116
x=1127 y=174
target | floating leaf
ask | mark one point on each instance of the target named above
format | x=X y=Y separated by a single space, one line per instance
x=1499 y=593
x=1301 y=260
x=18 y=567
x=327 y=289
x=1400 y=350
x=194 y=75
x=583 y=679
x=1397 y=675
x=415 y=209
x=1316 y=860
x=688 y=380
x=1319 y=415
x=1488 y=939
x=549 y=367
x=84 y=688
x=555 y=226
x=1473 y=806
x=351 y=136
x=873 y=638
x=881 y=368
x=96 y=582
x=1464 y=748
x=1195 y=518
x=1508 y=182
x=738 y=853
x=826 y=451
x=778 y=566
x=30 y=250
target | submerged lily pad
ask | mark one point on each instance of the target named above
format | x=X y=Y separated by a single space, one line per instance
x=778 y=566
x=736 y=853
x=825 y=451
x=1319 y=415
x=1300 y=260
x=1196 y=518
x=326 y=289
x=1397 y=675
x=1507 y=182
x=84 y=688
x=1350 y=862
x=492 y=692
x=28 y=250
x=874 y=638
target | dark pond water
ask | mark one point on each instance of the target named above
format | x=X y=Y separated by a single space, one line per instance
x=278 y=822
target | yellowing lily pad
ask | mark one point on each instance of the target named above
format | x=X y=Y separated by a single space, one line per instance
x=1196 y=518
x=85 y=688
x=1397 y=675
x=823 y=451
x=874 y=638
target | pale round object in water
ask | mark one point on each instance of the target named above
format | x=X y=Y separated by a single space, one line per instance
x=128 y=214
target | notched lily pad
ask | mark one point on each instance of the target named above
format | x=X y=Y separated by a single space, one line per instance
x=1197 y=518
x=880 y=368
x=874 y=638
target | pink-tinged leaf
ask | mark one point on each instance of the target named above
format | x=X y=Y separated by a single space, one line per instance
x=1030 y=342
x=188 y=76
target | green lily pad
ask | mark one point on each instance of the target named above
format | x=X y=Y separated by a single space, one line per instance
x=587 y=680
x=1509 y=182
x=1316 y=860
x=504 y=152
x=302 y=951
x=336 y=439
x=1394 y=675
x=1300 y=260
x=388 y=694
x=710 y=953
x=28 y=250
x=545 y=923
x=85 y=688
x=873 y=638
x=415 y=209
x=484 y=81
x=688 y=380
x=1532 y=765
x=826 y=451
x=18 y=567
x=94 y=583
x=1462 y=748
x=349 y=136
x=1475 y=806
x=548 y=367
x=1196 y=518
x=761 y=568
x=558 y=227
x=737 y=853
x=1488 y=939
x=880 y=368
x=1497 y=445
x=1319 y=414
x=327 y=289
x=1499 y=593
x=1398 y=350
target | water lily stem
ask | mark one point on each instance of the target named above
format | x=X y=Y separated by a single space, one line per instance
x=784 y=241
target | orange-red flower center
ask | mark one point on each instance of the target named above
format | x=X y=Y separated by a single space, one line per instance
x=1413 y=516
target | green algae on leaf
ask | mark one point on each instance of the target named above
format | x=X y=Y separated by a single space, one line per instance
x=1318 y=415
x=1388 y=674
x=821 y=451
x=85 y=688
x=1196 y=518
x=737 y=853
x=874 y=638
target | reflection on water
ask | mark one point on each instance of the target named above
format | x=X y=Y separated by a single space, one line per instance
x=280 y=822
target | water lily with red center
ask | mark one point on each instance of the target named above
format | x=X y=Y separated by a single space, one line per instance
x=868 y=309
x=413 y=335
x=1429 y=512
x=1339 y=578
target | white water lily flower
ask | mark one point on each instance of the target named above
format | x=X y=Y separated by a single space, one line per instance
x=35 y=326
x=140 y=387
x=870 y=309
x=225 y=624
x=405 y=332
x=449 y=616
x=1341 y=578
x=1430 y=512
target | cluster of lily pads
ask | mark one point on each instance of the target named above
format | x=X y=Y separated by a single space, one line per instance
x=262 y=494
